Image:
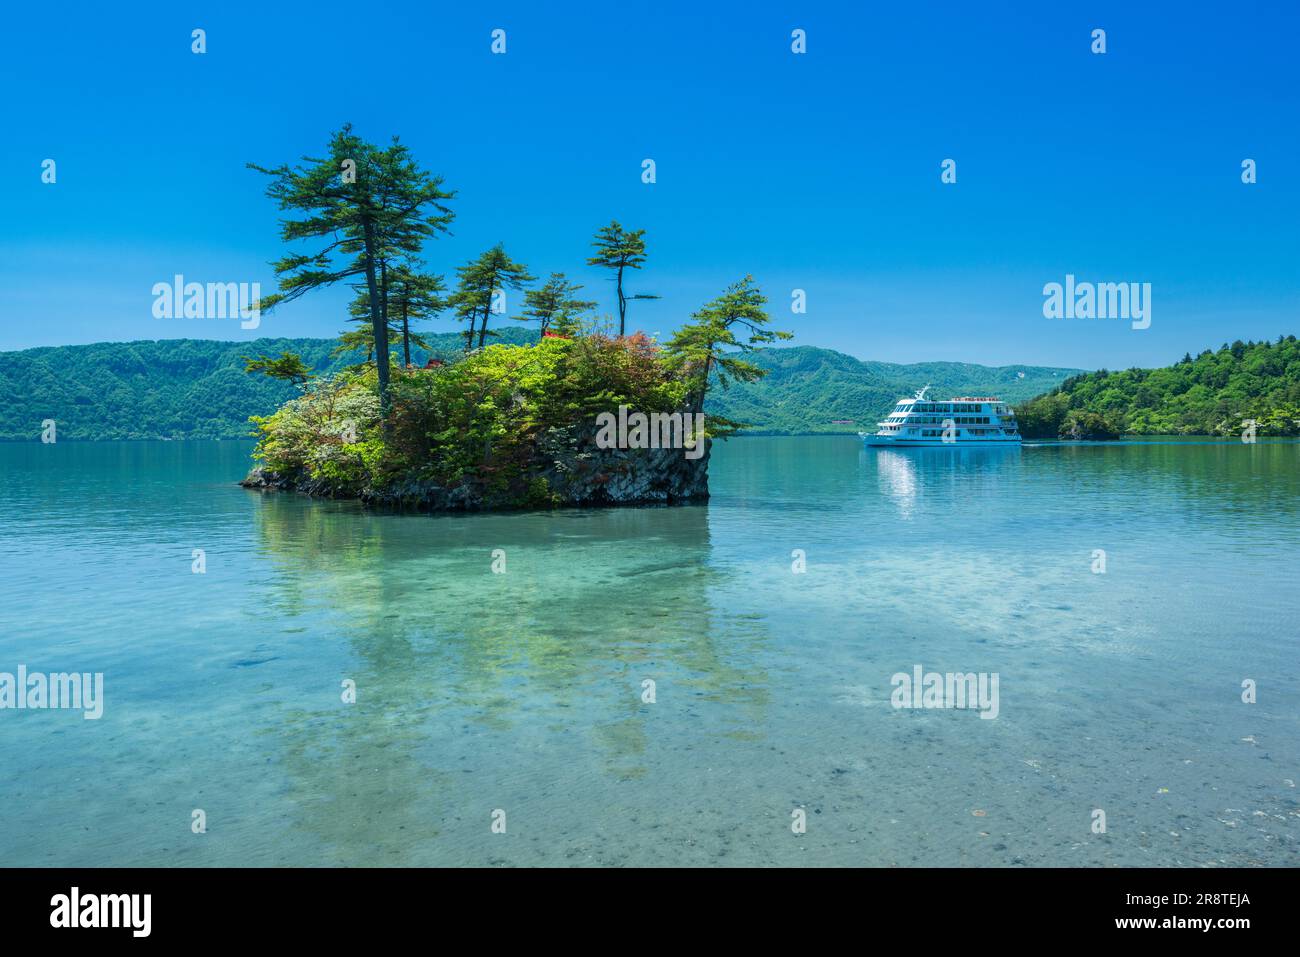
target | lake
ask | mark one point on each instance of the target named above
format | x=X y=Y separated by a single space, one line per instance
x=523 y=690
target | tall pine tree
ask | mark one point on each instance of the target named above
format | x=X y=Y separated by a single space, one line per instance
x=620 y=249
x=365 y=207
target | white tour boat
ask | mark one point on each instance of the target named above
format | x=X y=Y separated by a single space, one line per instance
x=965 y=421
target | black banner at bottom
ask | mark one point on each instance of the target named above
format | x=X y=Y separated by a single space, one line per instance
x=338 y=906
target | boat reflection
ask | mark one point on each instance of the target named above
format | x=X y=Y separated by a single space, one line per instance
x=903 y=474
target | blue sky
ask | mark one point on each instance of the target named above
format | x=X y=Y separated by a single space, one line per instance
x=819 y=171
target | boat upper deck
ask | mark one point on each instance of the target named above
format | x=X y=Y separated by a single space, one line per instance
x=988 y=404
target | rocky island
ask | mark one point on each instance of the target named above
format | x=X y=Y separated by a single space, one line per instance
x=507 y=427
x=500 y=426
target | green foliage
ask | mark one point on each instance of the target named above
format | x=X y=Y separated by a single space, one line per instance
x=331 y=431
x=479 y=279
x=555 y=304
x=1082 y=424
x=287 y=366
x=178 y=388
x=1044 y=416
x=706 y=351
x=475 y=422
x=1209 y=395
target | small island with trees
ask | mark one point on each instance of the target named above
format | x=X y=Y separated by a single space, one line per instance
x=502 y=426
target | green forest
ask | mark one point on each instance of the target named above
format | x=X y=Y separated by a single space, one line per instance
x=198 y=389
x=1214 y=393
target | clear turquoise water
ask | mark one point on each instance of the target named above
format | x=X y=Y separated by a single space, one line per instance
x=522 y=691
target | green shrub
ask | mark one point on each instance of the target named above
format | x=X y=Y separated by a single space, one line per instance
x=331 y=431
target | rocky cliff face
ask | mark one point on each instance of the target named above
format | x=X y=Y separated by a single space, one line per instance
x=568 y=470
x=583 y=474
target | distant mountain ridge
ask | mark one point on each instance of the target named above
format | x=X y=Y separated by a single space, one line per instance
x=197 y=388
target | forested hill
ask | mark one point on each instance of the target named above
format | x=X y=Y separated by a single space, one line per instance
x=168 y=388
x=194 y=388
x=1208 y=395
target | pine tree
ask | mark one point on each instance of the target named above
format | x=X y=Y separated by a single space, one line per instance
x=368 y=207
x=709 y=345
x=554 y=303
x=619 y=249
x=479 y=279
x=287 y=366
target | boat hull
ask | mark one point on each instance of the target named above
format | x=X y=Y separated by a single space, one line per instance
x=889 y=442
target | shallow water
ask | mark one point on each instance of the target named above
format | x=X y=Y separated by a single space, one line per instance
x=523 y=691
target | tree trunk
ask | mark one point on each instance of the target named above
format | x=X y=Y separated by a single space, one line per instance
x=383 y=293
x=383 y=289
x=406 y=337
x=487 y=311
x=469 y=334
x=377 y=323
x=622 y=303
x=697 y=401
